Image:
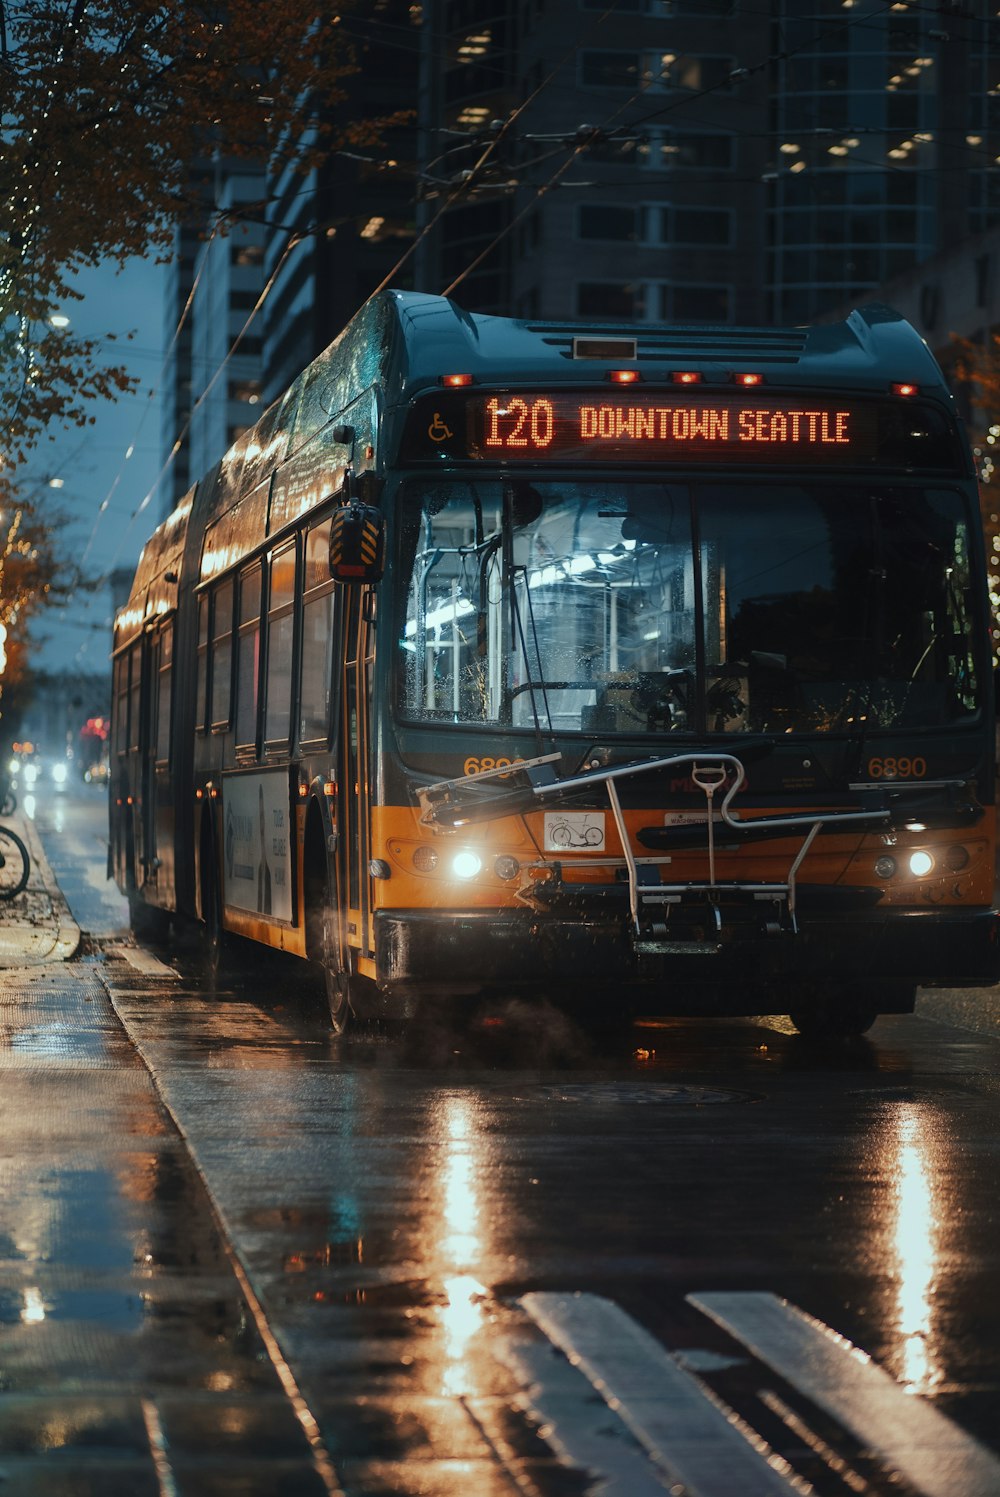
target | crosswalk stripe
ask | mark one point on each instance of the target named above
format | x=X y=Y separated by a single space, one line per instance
x=932 y=1452
x=689 y=1437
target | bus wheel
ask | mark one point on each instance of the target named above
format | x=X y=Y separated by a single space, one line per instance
x=836 y=1016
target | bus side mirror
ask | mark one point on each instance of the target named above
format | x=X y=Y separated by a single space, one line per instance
x=357 y=542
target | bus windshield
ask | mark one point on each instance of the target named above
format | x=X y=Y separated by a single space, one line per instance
x=700 y=608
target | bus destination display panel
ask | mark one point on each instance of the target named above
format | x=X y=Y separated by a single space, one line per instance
x=638 y=426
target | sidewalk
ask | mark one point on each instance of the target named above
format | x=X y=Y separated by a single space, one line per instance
x=36 y=925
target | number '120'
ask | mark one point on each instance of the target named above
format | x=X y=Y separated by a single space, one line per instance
x=533 y=426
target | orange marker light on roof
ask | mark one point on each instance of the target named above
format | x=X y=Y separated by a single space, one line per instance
x=749 y=379
x=455 y=381
x=905 y=388
x=686 y=377
x=624 y=376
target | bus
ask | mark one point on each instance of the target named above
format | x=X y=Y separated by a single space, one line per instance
x=644 y=667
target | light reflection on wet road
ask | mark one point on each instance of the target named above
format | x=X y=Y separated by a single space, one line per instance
x=392 y=1203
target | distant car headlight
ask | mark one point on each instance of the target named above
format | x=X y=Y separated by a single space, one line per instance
x=30 y=774
x=59 y=773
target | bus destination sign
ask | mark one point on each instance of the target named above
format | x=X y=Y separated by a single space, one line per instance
x=632 y=426
x=640 y=428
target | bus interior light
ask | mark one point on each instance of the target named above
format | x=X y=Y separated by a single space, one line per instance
x=905 y=388
x=456 y=381
x=686 y=377
x=624 y=376
x=921 y=863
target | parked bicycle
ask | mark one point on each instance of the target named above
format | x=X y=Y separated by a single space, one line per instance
x=15 y=863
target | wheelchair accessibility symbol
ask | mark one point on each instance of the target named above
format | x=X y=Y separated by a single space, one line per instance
x=439 y=431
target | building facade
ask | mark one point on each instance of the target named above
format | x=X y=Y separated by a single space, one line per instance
x=705 y=160
x=727 y=161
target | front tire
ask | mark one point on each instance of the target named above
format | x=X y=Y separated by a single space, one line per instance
x=842 y=1015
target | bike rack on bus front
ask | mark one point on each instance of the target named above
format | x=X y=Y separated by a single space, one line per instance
x=444 y=804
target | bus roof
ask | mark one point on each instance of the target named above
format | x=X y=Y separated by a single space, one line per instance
x=872 y=349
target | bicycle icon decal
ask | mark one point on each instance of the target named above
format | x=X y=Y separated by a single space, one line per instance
x=572 y=831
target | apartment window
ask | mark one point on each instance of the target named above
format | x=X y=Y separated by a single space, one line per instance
x=608 y=221
x=610 y=69
x=701 y=226
x=664 y=70
x=687 y=150
x=247 y=390
x=696 y=303
x=608 y=299
x=247 y=254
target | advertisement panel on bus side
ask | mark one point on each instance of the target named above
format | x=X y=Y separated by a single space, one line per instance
x=258 y=845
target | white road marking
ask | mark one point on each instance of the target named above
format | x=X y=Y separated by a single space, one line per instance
x=687 y=1436
x=578 y=1426
x=937 y=1457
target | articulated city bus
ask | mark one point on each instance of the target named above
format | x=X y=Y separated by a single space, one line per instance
x=643 y=667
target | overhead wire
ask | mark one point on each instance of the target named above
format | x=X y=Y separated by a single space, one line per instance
x=467 y=185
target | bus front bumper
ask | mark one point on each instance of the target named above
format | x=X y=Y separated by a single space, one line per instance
x=454 y=953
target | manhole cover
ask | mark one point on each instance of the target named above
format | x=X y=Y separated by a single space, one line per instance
x=667 y=1095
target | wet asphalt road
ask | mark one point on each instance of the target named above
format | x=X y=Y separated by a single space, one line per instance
x=242 y=1257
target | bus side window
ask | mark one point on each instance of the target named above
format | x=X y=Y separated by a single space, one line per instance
x=317 y=637
x=280 y=631
x=135 y=688
x=163 y=693
x=121 y=704
x=202 y=686
x=222 y=654
x=248 y=658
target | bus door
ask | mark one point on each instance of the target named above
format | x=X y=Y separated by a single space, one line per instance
x=158 y=796
x=354 y=799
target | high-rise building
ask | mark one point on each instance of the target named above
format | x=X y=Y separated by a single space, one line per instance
x=337 y=232
x=730 y=161
x=688 y=160
x=213 y=375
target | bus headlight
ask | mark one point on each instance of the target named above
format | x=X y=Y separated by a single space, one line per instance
x=506 y=867
x=920 y=863
x=466 y=864
x=885 y=866
x=425 y=859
